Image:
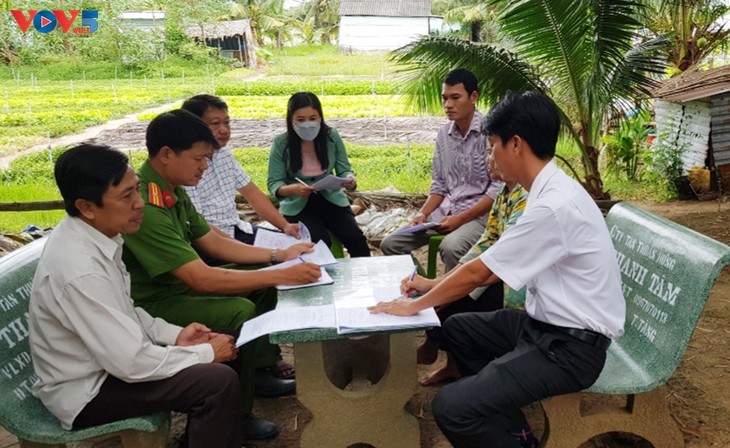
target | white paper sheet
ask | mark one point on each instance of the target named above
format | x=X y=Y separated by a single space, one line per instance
x=331 y=182
x=279 y=240
x=352 y=315
x=354 y=320
x=321 y=255
x=324 y=278
x=287 y=319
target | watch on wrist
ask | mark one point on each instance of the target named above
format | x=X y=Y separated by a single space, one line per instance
x=273 y=255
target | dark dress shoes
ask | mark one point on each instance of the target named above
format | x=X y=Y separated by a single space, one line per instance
x=268 y=386
x=257 y=428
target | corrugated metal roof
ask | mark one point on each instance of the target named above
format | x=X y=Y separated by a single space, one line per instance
x=220 y=30
x=388 y=8
x=692 y=85
x=721 y=129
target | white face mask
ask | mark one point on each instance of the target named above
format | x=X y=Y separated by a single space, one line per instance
x=307 y=130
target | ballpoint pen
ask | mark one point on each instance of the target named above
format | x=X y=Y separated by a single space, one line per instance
x=304 y=183
x=410 y=279
x=413 y=274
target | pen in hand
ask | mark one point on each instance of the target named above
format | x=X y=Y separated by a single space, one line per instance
x=304 y=183
x=405 y=294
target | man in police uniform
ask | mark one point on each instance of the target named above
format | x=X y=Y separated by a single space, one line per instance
x=169 y=279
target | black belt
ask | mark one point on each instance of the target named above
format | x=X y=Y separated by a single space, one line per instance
x=588 y=336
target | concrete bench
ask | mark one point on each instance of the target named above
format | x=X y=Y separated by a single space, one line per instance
x=21 y=413
x=667 y=272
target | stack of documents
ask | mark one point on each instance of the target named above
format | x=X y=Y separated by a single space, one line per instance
x=349 y=314
x=287 y=319
x=324 y=278
x=352 y=315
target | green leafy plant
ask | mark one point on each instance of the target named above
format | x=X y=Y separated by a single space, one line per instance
x=625 y=148
x=665 y=161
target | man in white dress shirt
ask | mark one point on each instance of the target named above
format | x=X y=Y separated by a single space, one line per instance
x=98 y=358
x=561 y=250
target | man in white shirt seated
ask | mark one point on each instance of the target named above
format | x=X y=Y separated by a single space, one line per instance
x=560 y=249
x=98 y=358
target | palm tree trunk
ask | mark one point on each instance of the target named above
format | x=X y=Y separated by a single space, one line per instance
x=476 y=30
x=593 y=182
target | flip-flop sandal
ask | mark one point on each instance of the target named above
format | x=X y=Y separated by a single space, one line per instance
x=282 y=370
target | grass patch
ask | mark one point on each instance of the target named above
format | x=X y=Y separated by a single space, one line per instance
x=15 y=222
x=30 y=177
x=408 y=169
x=335 y=106
x=31 y=112
x=326 y=60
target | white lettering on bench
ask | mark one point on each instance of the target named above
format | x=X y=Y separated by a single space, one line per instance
x=651 y=309
x=25 y=289
x=645 y=249
x=16 y=366
x=15 y=331
x=7 y=302
x=644 y=328
x=616 y=234
x=631 y=268
x=666 y=260
x=626 y=289
x=630 y=242
x=639 y=260
x=23 y=390
x=665 y=290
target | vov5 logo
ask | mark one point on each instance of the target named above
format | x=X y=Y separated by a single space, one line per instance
x=46 y=21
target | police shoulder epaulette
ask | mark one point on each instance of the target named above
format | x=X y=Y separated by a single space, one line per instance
x=155 y=195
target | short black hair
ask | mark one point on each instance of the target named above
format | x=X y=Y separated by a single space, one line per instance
x=179 y=130
x=531 y=115
x=198 y=104
x=462 y=76
x=86 y=172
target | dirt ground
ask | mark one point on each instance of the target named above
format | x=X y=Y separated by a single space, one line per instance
x=247 y=133
x=698 y=394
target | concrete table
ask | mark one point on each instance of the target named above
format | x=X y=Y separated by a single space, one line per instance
x=357 y=386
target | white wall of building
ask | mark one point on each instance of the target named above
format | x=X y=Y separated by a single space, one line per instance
x=369 y=33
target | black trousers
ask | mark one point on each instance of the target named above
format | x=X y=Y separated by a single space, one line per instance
x=321 y=217
x=490 y=300
x=208 y=393
x=506 y=363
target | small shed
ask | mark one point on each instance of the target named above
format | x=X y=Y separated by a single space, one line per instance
x=693 y=113
x=234 y=38
x=379 y=25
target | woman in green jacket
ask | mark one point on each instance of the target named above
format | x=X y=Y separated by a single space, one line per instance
x=309 y=151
